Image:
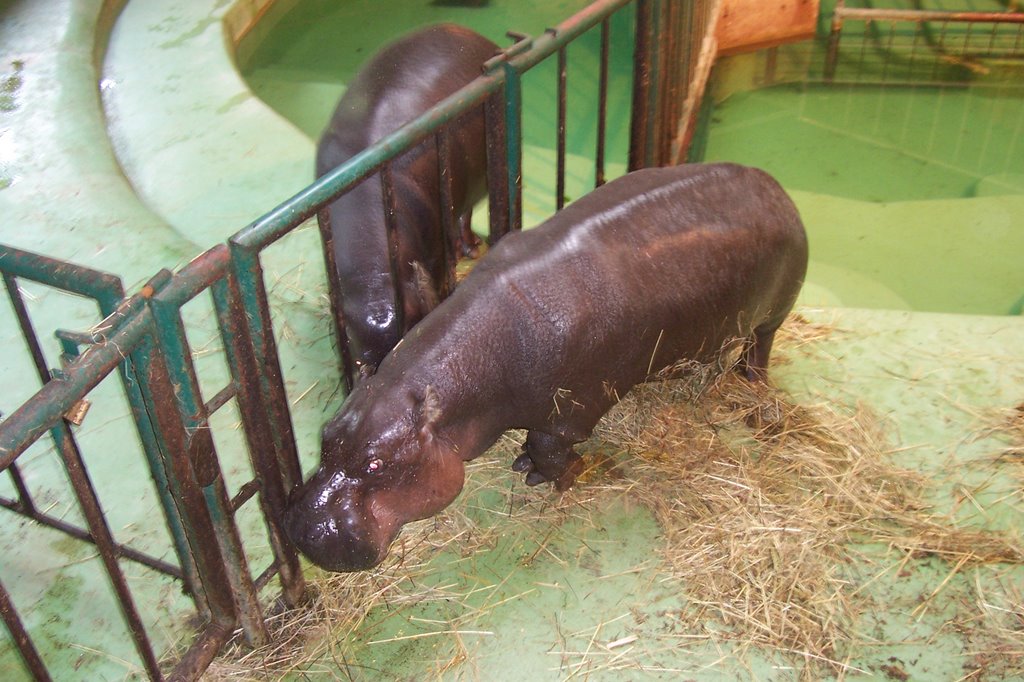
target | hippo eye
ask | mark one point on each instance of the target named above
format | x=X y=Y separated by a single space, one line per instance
x=374 y=465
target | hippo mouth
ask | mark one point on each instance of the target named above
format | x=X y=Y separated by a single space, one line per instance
x=338 y=532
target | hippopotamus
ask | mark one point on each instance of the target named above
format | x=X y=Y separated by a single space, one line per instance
x=400 y=82
x=548 y=331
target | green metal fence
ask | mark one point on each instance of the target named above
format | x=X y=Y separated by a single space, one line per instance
x=143 y=338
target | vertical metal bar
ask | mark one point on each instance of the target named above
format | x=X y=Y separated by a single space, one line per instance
x=272 y=498
x=131 y=380
x=497 y=168
x=29 y=655
x=860 y=70
x=560 y=141
x=171 y=514
x=918 y=32
x=159 y=392
x=243 y=589
x=965 y=48
x=514 y=145
x=677 y=19
x=24 y=495
x=28 y=333
x=888 y=51
x=642 y=114
x=834 y=36
x=388 y=205
x=992 y=40
x=93 y=513
x=249 y=275
x=323 y=220
x=450 y=233
x=940 y=48
x=602 y=105
x=27 y=330
x=205 y=468
x=771 y=63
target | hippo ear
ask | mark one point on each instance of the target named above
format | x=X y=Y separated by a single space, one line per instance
x=430 y=412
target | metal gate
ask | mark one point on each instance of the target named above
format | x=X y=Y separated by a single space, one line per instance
x=143 y=339
x=916 y=46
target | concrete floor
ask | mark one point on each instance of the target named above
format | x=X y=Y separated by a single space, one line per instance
x=198 y=156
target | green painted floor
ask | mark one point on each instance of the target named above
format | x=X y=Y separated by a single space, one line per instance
x=174 y=152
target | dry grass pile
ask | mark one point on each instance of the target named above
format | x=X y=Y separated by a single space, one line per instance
x=761 y=502
x=761 y=499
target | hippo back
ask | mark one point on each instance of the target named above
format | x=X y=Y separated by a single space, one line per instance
x=658 y=265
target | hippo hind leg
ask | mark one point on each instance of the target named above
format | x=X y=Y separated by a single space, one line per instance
x=548 y=458
x=467 y=244
x=753 y=362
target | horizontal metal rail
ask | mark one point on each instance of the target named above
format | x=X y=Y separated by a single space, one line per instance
x=869 y=14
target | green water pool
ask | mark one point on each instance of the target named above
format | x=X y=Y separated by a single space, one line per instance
x=913 y=197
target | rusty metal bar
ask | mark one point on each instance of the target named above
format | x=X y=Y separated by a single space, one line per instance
x=159 y=392
x=36 y=416
x=166 y=305
x=93 y=513
x=122 y=551
x=560 y=136
x=25 y=504
x=104 y=287
x=871 y=14
x=550 y=41
x=26 y=648
x=645 y=69
x=27 y=330
x=675 y=75
x=834 y=36
x=270 y=479
x=222 y=398
x=334 y=296
x=293 y=212
x=389 y=207
x=244 y=494
x=202 y=652
x=248 y=276
x=602 y=105
x=450 y=229
x=497 y=169
x=513 y=121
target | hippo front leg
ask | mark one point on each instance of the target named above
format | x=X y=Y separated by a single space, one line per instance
x=548 y=458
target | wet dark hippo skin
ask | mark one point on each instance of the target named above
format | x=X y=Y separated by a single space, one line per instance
x=400 y=82
x=552 y=326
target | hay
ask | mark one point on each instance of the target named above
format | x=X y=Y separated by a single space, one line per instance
x=762 y=504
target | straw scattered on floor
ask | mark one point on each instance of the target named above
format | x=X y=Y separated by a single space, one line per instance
x=760 y=501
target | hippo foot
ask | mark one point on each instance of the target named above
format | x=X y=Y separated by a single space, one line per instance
x=467 y=243
x=470 y=249
x=524 y=465
x=753 y=363
x=548 y=458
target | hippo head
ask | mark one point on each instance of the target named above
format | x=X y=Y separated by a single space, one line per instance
x=382 y=465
